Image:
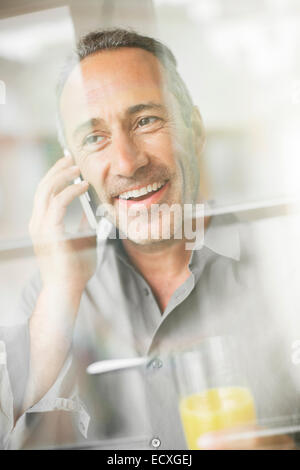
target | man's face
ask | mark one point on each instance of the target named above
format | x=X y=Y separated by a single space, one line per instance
x=126 y=133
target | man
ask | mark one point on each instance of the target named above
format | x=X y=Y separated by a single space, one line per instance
x=131 y=130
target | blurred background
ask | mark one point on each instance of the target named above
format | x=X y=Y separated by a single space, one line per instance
x=240 y=60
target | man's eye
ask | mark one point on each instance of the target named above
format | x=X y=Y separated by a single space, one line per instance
x=147 y=120
x=93 y=139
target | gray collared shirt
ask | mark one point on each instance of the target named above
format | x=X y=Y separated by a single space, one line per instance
x=119 y=317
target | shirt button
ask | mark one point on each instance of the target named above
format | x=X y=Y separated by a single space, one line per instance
x=156 y=363
x=155 y=442
x=146 y=291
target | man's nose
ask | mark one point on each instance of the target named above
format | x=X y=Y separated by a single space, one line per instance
x=127 y=157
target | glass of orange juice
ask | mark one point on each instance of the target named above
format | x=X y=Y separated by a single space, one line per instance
x=213 y=391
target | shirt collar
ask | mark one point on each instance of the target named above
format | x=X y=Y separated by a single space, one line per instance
x=222 y=236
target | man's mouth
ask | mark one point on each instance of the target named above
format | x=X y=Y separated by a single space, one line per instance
x=144 y=193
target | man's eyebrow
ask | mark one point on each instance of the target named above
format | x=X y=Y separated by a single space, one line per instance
x=144 y=107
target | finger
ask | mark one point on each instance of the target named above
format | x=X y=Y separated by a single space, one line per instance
x=212 y=442
x=61 y=163
x=227 y=438
x=60 y=202
x=61 y=179
x=250 y=438
x=280 y=441
x=53 y=185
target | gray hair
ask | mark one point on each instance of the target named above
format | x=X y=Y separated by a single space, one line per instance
x=109 y=39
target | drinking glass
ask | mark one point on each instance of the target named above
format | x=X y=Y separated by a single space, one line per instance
x=213 y=390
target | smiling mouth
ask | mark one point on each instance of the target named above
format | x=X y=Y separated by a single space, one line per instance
x=142 y=193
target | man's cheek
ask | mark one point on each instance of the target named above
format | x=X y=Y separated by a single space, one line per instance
x=94 y=169
x=99 y=191
x=160 y=145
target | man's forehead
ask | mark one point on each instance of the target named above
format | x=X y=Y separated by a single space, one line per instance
x=107 y=72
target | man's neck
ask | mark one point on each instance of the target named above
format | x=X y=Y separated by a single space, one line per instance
x=171 y=255
x=150 y=259
x=164 y=265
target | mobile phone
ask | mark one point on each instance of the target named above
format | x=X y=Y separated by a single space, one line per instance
x=87 y=202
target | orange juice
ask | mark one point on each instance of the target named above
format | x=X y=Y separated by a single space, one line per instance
x=215 y=409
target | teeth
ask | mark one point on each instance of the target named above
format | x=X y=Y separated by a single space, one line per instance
x=142 y=191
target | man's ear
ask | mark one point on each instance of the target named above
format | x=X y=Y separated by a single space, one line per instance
x=198 y=130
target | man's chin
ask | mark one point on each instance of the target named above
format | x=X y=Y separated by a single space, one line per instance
x=150 y=244
x=148 y=237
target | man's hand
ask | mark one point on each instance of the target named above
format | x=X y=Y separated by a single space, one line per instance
x=66 y=265
x=245 y=438
x=63 y=261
